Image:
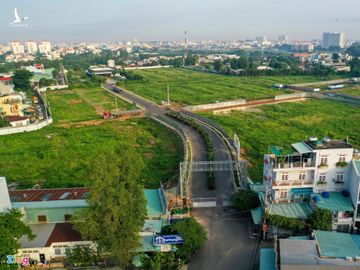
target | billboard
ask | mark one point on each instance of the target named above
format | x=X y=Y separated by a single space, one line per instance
x=168 y=240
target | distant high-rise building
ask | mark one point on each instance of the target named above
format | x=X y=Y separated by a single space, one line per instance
x=260 y=39
x=31 y=47
x=283 y=39
x=44 y=47
x=17 y=47
x=333 y=39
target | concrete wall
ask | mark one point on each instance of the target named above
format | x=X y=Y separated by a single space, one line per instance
x=216 y=105
x=5 y=203
x=53 y=87
x=31 y=127
x=53 y=215
x=291 y=96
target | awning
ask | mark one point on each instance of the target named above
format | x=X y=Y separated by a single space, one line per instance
x=302 y=148
x=304 y=191
x=257 y=215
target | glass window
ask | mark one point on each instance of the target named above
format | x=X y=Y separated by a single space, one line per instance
x=42 y=218
x=57 y=251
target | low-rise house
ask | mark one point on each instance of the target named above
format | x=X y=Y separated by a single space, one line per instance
x=325 y=250
x=48 y=212
x=16 y=120
x=312 y=174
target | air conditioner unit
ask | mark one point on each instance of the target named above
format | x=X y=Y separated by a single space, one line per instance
x=349 y=259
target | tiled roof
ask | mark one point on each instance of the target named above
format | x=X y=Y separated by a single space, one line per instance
x=63 y=232
x=37 y=195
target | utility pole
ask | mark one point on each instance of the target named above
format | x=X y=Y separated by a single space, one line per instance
x=168 y=95
x=185 y=48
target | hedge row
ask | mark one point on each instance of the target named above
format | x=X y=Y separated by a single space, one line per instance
x=285 y=222
x=210 y=148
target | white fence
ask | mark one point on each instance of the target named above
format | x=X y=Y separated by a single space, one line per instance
x=27 y=128
x=291 y=96
x=53 y=87
x=203 y=202
x=216 y=105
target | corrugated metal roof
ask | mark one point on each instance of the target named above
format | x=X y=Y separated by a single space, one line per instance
x=292 y=210
x=302 y=148
x=153 y=202
x=37 y=195
x=336 y=244
x=335 y=202
x=357 y=166
x=267 y=259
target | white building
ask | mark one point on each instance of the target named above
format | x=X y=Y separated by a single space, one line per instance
x=333 y=39
x=44 y=47
x=111 y=63
x=309 y=168
x=31 y=47
x=355 y=192
x=17 y=48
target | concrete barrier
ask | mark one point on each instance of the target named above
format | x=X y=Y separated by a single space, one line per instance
x=53 y=87
x=28 y=128
x=291 y=96
x=216 y=105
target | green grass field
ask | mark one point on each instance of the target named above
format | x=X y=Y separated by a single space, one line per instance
x=83 y=104
x=61 y=155
x=287 y=123
x=188 y=87
x=352 y=91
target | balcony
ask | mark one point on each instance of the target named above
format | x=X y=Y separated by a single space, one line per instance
x=292 y=183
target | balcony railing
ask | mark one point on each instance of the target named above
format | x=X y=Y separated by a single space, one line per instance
x=298 y=164
x=293 y=183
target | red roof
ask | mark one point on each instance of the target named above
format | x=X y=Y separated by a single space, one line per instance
x=5 y=79
x=14 y=118
x=38 y=65
x=38 y=195
x=63 y=232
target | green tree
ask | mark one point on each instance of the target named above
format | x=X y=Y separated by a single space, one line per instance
x=81 y=256
x=354 y=49
x=117 y=205
x=43 y=82
x=355 y=67
x=193 y=233
x=160 y=261
x=21 y=80
x=336 y=57
x=218 y=65
x=245 y=200
x=321 y=219
x=11 y=229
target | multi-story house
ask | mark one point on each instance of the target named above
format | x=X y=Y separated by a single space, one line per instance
x=316 y=172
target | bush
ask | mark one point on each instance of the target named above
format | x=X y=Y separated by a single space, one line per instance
x=321 y=219
x=285 y=222
x=245 y=200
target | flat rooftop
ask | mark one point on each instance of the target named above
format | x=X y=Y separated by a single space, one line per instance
x=292 y=210
x=153 y=205
x=39 y=195
x=328 y=144
x=336 y=244
x=335 y=202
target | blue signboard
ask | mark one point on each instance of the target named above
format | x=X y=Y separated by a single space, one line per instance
x=168 y=240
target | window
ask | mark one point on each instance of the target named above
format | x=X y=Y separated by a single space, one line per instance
x=57 y=251
x=285 y=177
x=342 y=158
x=340 y=177
x=283 y=194
x=323 y=161
x=42 y=218
x=302 y=175
x=322 y=177
x=67 y=217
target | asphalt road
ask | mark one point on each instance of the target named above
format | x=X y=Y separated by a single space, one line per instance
x=229 y=245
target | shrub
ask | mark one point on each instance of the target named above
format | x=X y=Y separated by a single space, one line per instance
x=285 y=222
x=245 y=200
x=321 y=219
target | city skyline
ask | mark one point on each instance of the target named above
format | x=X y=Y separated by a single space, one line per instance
x=111 y=20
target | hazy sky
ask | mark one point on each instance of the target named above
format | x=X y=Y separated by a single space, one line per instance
x=116 y=20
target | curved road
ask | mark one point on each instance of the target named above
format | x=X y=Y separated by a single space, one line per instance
x=229 y=245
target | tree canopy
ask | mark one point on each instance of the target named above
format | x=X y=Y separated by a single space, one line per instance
x=11 y=229
x=117 y=205
x=354 y=49
x=245 y=200
x=321 y=219
x=21 y=80
x=193 y=233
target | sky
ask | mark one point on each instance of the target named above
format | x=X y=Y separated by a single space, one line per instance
x=146 y=20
